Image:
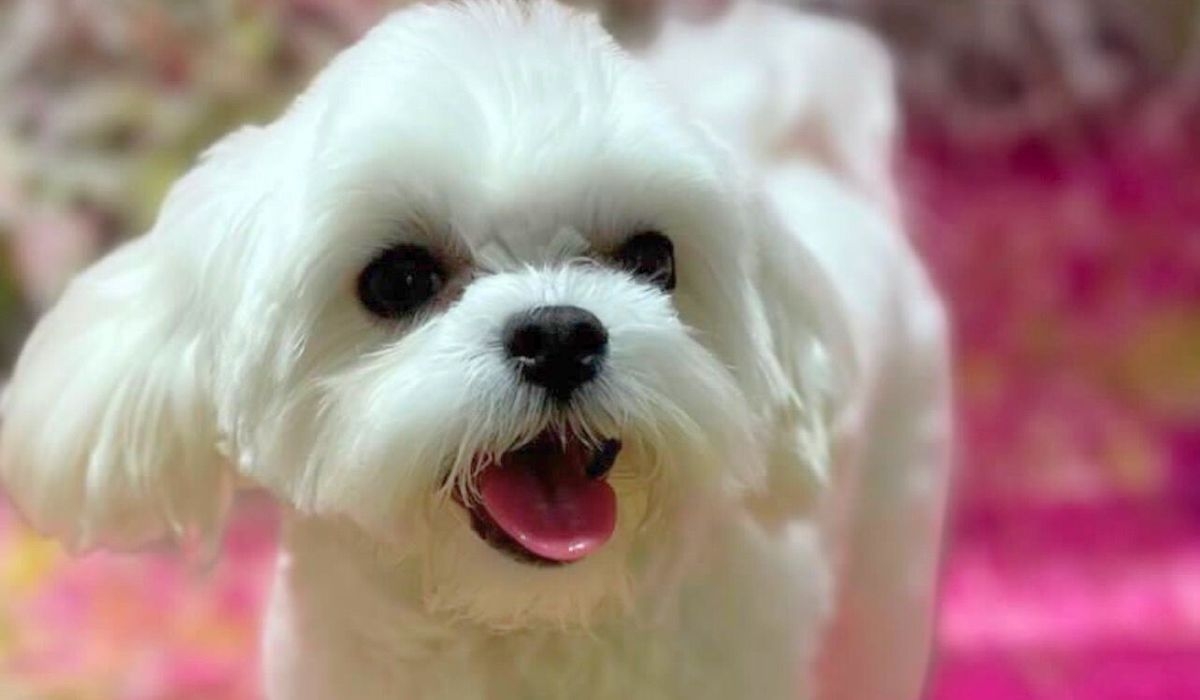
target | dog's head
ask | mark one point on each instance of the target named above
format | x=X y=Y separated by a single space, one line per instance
x=480 y=292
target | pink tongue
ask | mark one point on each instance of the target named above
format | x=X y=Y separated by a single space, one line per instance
x=554 y=511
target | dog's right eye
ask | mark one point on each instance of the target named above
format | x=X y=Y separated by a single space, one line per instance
x=399 y=281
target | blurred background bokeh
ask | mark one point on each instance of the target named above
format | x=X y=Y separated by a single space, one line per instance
x=1051 y=164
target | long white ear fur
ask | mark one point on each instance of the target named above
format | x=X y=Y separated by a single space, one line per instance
x=108 y=433
x=107 y=437
x=811 y=101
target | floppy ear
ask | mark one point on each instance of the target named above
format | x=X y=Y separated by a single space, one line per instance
x=831 y=282
x=809 y=102
x=109 y=434
x=805 y=359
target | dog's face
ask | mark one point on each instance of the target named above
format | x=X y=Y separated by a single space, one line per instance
x=480 y=292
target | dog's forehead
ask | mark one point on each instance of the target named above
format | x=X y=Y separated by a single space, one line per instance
x=522 y=71
x=521 y=132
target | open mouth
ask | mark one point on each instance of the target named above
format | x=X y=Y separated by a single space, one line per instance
x=547 y=502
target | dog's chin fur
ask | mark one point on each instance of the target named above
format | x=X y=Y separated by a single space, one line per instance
x=516 y=142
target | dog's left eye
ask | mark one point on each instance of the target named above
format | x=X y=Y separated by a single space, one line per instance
x=649 y=256
x=399 y=281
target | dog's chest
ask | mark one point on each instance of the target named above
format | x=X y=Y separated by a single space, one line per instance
x=742 y=622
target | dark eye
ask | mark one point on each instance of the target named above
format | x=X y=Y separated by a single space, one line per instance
x=399 y=281
x=649 y=256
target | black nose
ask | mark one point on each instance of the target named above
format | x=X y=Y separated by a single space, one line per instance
x=558 y=348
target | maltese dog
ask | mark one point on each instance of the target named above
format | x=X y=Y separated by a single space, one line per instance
x=578 y=371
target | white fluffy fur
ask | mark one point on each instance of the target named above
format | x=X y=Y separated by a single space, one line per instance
x=784 y=411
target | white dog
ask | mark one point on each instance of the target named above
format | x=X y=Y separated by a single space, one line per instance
x=580 y=373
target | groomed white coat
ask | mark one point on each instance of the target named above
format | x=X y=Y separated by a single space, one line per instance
x=783 y=410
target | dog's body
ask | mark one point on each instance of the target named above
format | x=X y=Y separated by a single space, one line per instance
x=768 y=388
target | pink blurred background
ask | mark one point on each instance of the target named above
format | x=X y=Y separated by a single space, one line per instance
x=1052 y=168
